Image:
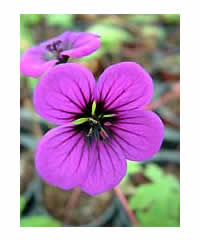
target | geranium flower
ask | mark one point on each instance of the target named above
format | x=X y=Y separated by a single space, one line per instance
x=101 y=125
x=38 y=59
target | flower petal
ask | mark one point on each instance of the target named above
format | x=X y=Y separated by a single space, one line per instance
x=81 y=44
x=62 y=157
x=63 y=92
x=33 y=62
x=139 y=134
x=107 y=168
x=124 y=86
x=37 y=60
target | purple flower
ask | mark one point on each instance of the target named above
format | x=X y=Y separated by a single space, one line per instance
x=102 y=125
x=38 y=59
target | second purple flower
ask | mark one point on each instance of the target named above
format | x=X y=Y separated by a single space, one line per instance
x=103 y=124
x=38 y=59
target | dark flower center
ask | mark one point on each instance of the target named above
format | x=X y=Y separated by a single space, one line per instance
x=95 y=122
x=54 y=50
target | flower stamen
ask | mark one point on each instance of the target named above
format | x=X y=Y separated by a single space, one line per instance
x=89 y=133
x=95 y=121
x=94 y=105
x=80 y=121
x=55 y=48
x=103 y=134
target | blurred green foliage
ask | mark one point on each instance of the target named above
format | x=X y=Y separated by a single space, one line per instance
x=111 y=36
x=157 y=203
x=95 y=55
x=26 y=39
x=132 y=168
x=36 y=221
x=32 y=82
x=144 y=18
x=171 y=18
x=61 y=20
x=39 y=221
x=30 y=19
x=22 y=203
x=153 y=31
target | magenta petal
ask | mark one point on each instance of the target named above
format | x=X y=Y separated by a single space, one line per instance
x=38 y=59
x=107 y=168
x=139 y=133
x=33 y=62
x=62 y=157
x=63 y=92
x=125 y=86
x=81 y=44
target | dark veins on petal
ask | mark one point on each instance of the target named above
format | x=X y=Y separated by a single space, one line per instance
x=101 y=124
x=54 y=50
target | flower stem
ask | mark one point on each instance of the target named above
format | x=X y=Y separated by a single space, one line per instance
x=173 y=93
x=71 y=203
x=162 y=100
x=124 y=203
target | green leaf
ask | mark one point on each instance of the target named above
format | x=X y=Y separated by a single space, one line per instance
x=80 y=121
x=149 y=219
x=157 y=204
x=156 y=217
x=94 y=105
x=22 y=203
x=95 y=55
x=174 y=209
x=132 y=168
x=172 y=182
x=32 y=82
x=64 y=20
x=143 y=197
x=111 y=36
x=39 y=221
x=153 y=172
